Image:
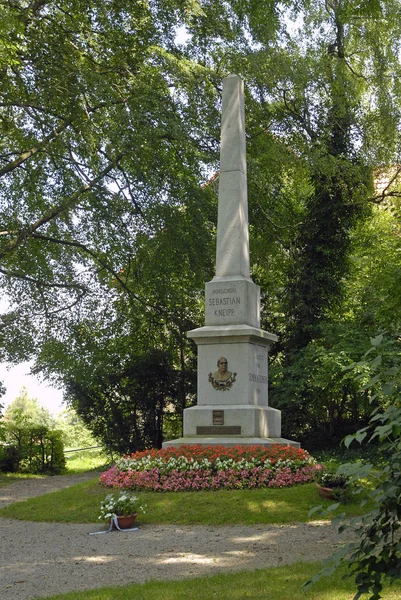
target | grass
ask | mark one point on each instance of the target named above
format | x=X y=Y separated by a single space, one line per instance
x=280 y=583
x=77 y=462
x=80 y=504
x=86 y=460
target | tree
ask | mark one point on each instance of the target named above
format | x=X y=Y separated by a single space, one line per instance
x=108 y=135
x=91 y=357
x=317 y=94
x=32 y=442
x=126 y=408
x=318 y=102
x=75 y=433
x=101 y=140
x=25 y=410
x=112 y=128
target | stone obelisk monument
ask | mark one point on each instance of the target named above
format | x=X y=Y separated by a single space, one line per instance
x=232 y=403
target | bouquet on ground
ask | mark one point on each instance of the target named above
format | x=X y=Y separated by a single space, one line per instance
x=331 y=478
x=125 y=504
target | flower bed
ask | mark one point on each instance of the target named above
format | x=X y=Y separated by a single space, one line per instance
x=190 y=468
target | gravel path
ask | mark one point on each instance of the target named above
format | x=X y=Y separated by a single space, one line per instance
x=41 y=559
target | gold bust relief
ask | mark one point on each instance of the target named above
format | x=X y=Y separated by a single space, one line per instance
x=222 y=379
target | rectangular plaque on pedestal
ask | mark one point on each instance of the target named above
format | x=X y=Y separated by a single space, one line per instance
x=218 y=430
x=218 y=417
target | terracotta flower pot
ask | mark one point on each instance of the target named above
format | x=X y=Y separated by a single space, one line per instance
x=125 y=521
x=327 y=492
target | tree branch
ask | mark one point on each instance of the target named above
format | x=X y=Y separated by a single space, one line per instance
x=301 y=119
x=385 y=193
x=39 y=283
x=104 y=265
x=52 y=136
x=91 y=253
x=25 y=155
x=65 y=205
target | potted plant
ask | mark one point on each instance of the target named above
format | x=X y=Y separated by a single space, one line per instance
x=124 y=509
x=332 y=484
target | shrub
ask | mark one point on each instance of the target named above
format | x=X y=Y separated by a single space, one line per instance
x=375 y=553
x=9 y=459
x=33 y=449
x=191 y=468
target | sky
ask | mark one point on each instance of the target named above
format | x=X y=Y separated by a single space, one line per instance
x=15 y=378
x=18 y=376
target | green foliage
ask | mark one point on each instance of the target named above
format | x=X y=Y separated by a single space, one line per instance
x=110 y=129
x=27 y=411
x=32 y=449
x=107 y=136
x=322 y=393
x=321 y=252
x=101 y=149
x=75 y=433
x=320 y=400
x=30 y=441
x=124 y=407
x=313 y=91
x=9 y=459
x=376 y=555
x=332 y=458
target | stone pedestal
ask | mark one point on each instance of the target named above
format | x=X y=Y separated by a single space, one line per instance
x=233 y=405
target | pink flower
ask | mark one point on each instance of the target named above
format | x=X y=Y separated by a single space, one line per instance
x=191 y=468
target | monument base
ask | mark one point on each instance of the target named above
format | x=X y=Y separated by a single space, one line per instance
x=229 y=441
x=238 y=425
x=239 y=420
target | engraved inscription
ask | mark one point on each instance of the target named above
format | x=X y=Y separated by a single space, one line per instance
x=232 y=290
x=224 y=312
x=219 y=430
x=224 y=301
x=230 y=299
x=218 y=417
x=258 y=378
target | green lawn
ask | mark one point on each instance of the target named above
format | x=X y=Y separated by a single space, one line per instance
x=283 y=583
x=86 y=460
x=80 y=504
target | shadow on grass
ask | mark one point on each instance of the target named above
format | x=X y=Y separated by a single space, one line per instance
x=280 y=583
